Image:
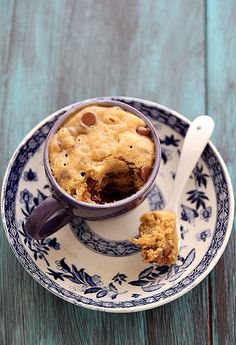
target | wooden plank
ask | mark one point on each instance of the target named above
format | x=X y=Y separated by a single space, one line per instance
x=184 y=321
x=221 y=52
x=54 y=53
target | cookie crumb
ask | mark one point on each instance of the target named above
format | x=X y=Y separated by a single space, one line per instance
x=158 y=237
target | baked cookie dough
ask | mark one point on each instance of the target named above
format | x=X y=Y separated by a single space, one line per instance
x=158 y=238
x=101 y=154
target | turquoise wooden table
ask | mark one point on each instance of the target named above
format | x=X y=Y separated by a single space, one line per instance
x=178 y=53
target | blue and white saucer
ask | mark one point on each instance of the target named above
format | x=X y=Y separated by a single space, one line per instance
x=92 y=264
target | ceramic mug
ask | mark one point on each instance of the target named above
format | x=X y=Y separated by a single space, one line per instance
x=60 y=208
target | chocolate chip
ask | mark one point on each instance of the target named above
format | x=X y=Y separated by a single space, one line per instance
x=91 y=182
x=167 y=251
x=96 y=198
x=73 y=191
x=145 y=172
x=88 y=119
x=145 y=131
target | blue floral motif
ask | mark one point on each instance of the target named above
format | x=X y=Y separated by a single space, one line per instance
x=199 y=176
x=203 y=235
x=156 y=199
x=182 y=232
x=88 y=284
x=52 y=243
x=30 y=175
x=166 y=155
x=198 y=197
x=25 y=196
x=61 y=265
x=206 y=213
x=170 y=140
x=136 y=295
x=56 y=275
x=188 y=214
x=40 y=248
x=119 y=278
x=153 y=277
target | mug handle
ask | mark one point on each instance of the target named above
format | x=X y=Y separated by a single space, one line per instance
x=48 y=217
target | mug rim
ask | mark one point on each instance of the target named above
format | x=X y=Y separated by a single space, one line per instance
x=58 y=190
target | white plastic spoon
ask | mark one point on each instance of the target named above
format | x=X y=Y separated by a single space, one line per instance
x=197 y=136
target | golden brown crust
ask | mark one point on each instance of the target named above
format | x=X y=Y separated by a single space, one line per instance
x=100 y=143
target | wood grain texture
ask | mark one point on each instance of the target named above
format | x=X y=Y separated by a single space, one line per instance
x=221 y=76
x=53 y=53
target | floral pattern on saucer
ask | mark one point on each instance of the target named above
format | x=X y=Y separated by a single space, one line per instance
x=120 y=281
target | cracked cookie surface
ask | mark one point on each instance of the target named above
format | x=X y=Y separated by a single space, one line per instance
x=101 y=154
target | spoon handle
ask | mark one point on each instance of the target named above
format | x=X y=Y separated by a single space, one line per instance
x=195 y=141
